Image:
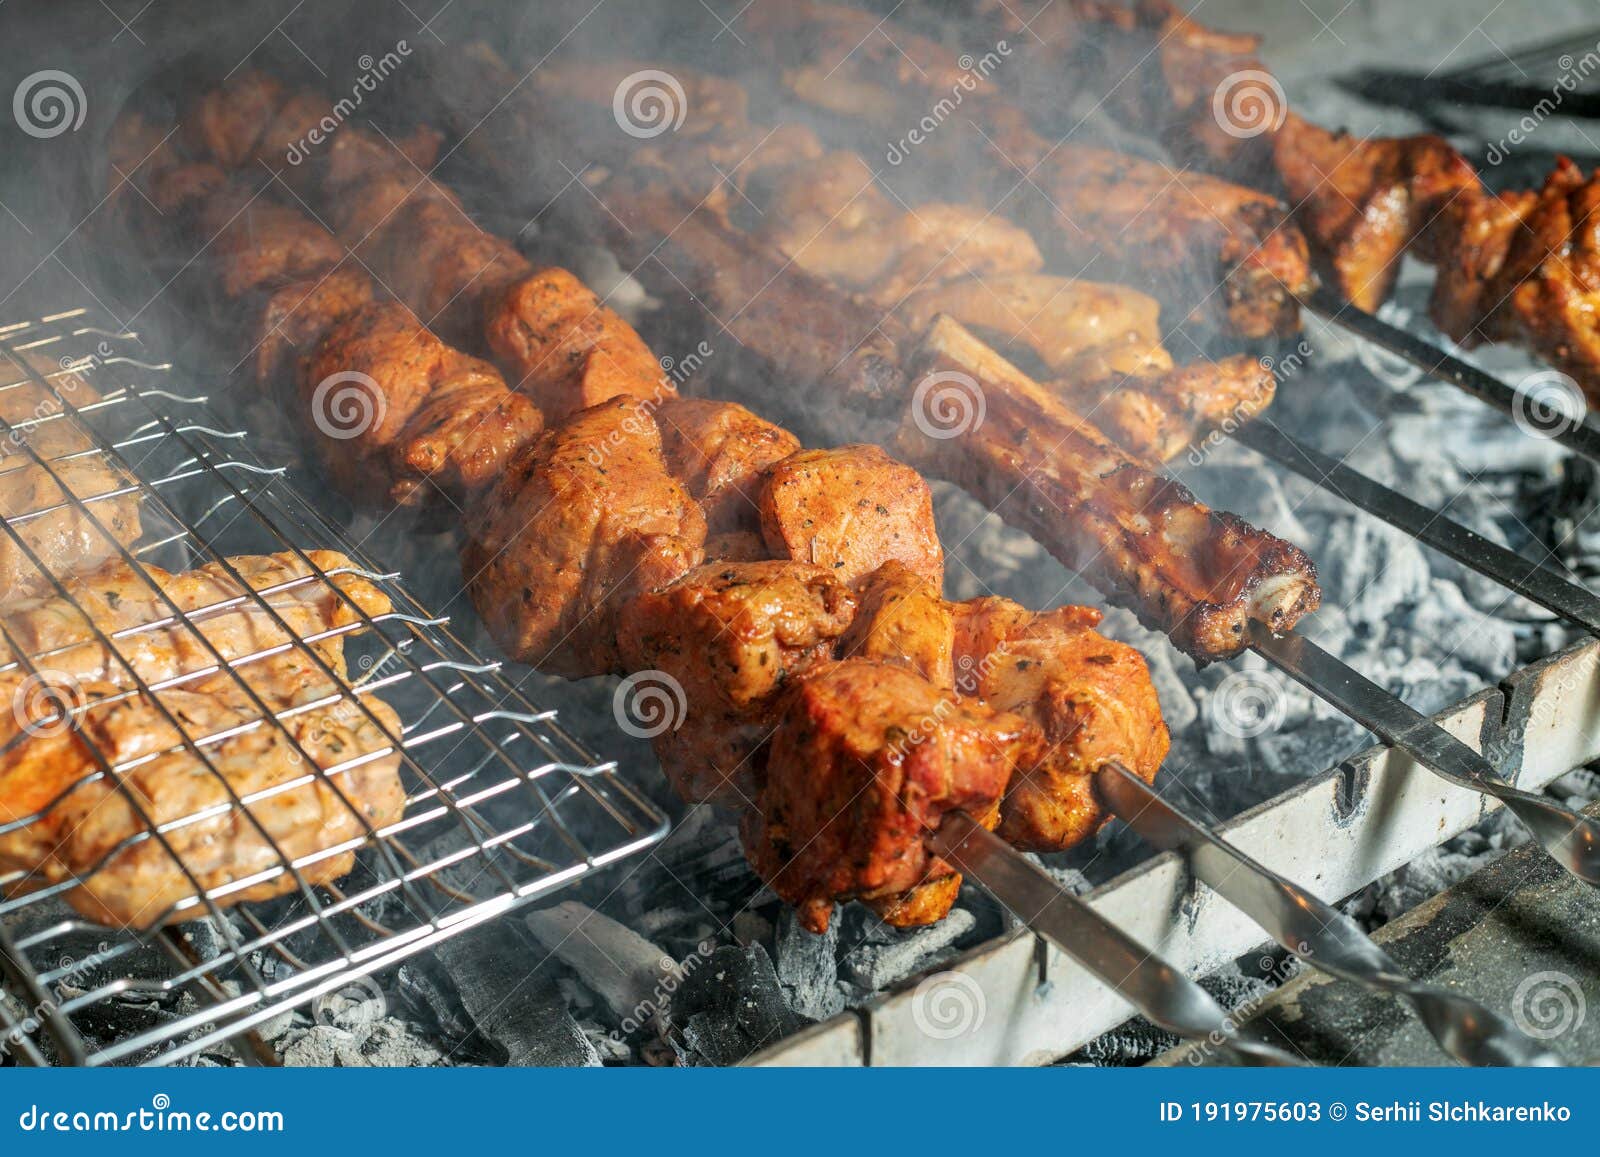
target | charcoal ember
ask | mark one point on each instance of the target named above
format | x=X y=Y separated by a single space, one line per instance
x=808 y=967
x=751 y=927
x=386 y=1043
x=880 y=965
x=732 y=1005
x=1448 y=625
x=1319 y=743
x=524 y=1015
x=632 y=975
x=424 y=991
x=1367 y=563
x=608 y=1045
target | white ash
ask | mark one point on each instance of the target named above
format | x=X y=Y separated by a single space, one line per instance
x=627 y=971
x=878 y=966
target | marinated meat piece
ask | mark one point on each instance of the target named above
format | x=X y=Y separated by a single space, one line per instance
x=903 y=619
x=560 y=345
x=399 y=417
x=581 y=521
x=1091 y=698
x=851 y=509
x=865 y=760
x=226 y=122
x=733 y=636
x=294 y=319
x=721 y=452
x=1195 y=574
x=310 y=788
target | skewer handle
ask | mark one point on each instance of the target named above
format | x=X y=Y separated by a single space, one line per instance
x=1318 y=933
x=1159 y=991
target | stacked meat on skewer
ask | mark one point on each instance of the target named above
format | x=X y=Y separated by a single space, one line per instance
x=832 y=694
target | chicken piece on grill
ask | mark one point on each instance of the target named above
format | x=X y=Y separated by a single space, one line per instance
x=37 y=497
x=293 y=319
x=1200 y=576
x=1365 y=202
x=1524 y=267
x=397 y=416
x=1091 y=698
x=865 y=761
x=580 y=522
x=562 y=346
x=903 y=619
x=721 y=452
x=836 y=221
x=733 y=636
x=57 y=633
x=303 y=793
x=851 y=509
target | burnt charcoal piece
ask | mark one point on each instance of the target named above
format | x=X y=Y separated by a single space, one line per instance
x=808 y=968
x=732 y=1005
x=524 y=1016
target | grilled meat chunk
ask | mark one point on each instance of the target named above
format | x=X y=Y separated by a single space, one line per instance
x=292 y=321
x=399 y=417
x=734 y=636
x=851 y=509
x=1091 y=698
x=903 y=619
x=866 y=759
x=721 y=452
x=580 y=522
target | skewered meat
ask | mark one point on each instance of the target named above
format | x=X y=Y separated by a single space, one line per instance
x=1091 y=698
x=296 y=317
x=733 y=636
x=1195 y=574
x=582 y=520
x=134 y=611
x=903 y=619
x=37 y=496
x=865 y=760
x=721 y=452
x=404 y=416
x=310 y=789
x=851 y=509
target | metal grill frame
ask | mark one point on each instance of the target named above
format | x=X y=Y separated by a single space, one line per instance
x=470 y=743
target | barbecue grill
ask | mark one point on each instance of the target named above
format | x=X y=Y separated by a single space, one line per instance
x=490 y=830
x=502 y=805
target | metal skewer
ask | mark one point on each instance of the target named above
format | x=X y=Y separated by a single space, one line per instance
x=1536 y=582
x=1580 y=438
x=1159 y=991
x=1318 y=933
x=1571 y=838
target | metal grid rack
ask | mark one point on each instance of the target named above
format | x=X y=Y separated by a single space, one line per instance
x=501 y=804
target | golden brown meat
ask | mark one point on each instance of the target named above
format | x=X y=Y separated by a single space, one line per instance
x=851 y=509
x=399 y=417
x=580 y=522
x=562 y=346
x=312 y=787
x=1198 y=575
x=294 y=319
x=865 y=760
x=256 y=243
x=56 y=632
x=733 y=636
x=36 y=497
x=1365 y=202
x=903 y=619
x=1091 y=699
x=226 y=122
x=721 y=452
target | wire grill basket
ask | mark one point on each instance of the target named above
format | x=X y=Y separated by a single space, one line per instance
x=501 y=805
